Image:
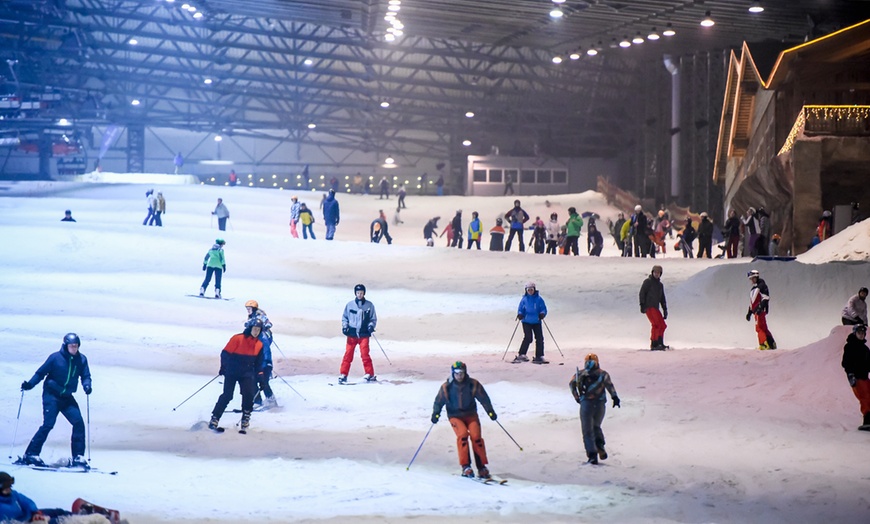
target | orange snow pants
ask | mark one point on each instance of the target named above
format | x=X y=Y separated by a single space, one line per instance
x=465 y=427
x=862 y=393
x=349 y=348
x=657 y=323
x=761 y=328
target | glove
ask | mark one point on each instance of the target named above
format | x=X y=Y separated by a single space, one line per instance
x=25 y=386
x=665 y=314
x=577 y=400
x=371 y=328
x=87 y=389
x=225 y=268
x=748 y=315
x=345 y=330
x=642 y=310
x=850 y=376
x=616 y=402
x=492 y=415
x=520 y=316
x=221 y=372
x=541 y=316
x=203 y=267
x=435 y=417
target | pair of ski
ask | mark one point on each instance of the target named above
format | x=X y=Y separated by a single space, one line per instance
x=62 y=468
x=491 y=481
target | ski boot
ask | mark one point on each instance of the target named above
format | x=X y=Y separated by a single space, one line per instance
x=246 y=420
x=270 y=402
x=866 y=425
x=370 y=378
x=483 y=473
x=202 y=291
x=79 y=462
x=342 y=379
x=467 y=471
x=31 y=460
x=213 y=424
x=593 y=458
x=540 y=360
x=602 y=454
x=217 y=293
x=519 y=359
x=763 y=346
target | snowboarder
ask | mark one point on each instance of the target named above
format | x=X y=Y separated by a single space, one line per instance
x=588 y=387
x=429 y=231
x=222 y=214
x=531 y=312
x=475 y=230
x=856 y=363
x=358 y=322
x=855 y=311
x=496 y=236
x=652 y=294
x=331 y=214
x=241 y=359
x=265 y=371
x=759 y=297
x=460 y=393
x=594 y=241
x=62 y=371
x=294 y=216
x=517 y=219
x=214 y=263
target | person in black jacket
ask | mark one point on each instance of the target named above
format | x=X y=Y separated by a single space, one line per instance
x=590 y=387
x=856 y=363
x=652 y=294
x=705 y=236
x=429 y=231
x=732 y=230
x=62 y=372
x=687 y=236
x=456 y=225
x=460 y=393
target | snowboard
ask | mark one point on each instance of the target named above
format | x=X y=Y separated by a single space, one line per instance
x=83 y=507
x=208 y=297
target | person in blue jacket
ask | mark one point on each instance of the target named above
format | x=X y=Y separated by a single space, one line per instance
x=17 y=507
x=61 y=371
x=531 y=313
x=330 y=214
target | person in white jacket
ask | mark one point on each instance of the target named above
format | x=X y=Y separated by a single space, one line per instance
x=855 y=311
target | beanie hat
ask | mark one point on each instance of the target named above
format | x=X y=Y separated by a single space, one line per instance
x=6 y=480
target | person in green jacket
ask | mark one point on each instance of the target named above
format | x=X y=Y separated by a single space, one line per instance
x=574 y=225
x=214 y=263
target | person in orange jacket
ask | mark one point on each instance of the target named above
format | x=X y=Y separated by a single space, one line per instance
x=241 y=359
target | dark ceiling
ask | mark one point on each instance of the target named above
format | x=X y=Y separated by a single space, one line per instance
x=493 y=57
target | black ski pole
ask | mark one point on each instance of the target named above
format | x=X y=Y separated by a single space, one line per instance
x=279 y=349
x=88 y=403
x=421 y=447
x=508 y=434
x=289 y=386
x=197 y=391
x=511 y=340
x=554 y=338
x=17 y=418
x=382 y=348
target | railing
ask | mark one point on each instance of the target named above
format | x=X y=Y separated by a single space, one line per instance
x=829 y=120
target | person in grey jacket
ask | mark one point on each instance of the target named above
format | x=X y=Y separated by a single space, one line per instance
x=589 y=388
x=222 y=214
x=652 y=294
x=855 y=311
x=358 y=322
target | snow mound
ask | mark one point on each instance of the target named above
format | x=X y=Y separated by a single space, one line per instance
x=851 y=244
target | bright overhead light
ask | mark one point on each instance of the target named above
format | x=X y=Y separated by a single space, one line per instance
x=308 y=61
x=191 y=8
x=756 y=7
x=637 y=39
x=389 y=160
x=385 y=104
x=197 y=15
x=207 y=81
x=132 y=41
x=708 y=20
x=469 y=114
x=135 y=102
x=466 y=142
x=558 y=1
x=669 y=30
x=556 y=13
x=389 y=37
x=63 y=122
x=395 y=2
x=557 y=59
x=653 y=35
x=312 y=125
x=218 y=138
x=575 y=55
x=393 y=8
x=591 y=51
x=624 y=43
x=185 y=6
x=389 y=17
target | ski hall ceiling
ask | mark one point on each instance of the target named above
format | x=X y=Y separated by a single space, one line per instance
x=275 y=68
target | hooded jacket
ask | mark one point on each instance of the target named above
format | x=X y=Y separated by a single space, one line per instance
x=591 y=385
x=856 y=357
x=16 y=507
x=215 y=257
x=243 y=355
x=460 y=397
x=330 y=210
x=856 y=309
x=531 y=306
x=652 y=293
x=61 y=372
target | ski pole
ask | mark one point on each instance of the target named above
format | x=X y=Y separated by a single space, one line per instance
x=382 y=348
x=511 y=340
x=508 y=434
x=88 y=402
x=554 y=338
x=421 y=447
x=289 y=386
x=197 y=391
x=278 y=348
x=17 y=418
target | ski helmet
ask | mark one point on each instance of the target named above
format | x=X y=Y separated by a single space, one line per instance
x=71 y=338
x=753 y=274
x=458 y=366
x=359 y=287
x=498 y=221
x=252 y=323
x=220 y=241
x=863 y=290
x=591 y=356
x=252 y=303
x=859 y=327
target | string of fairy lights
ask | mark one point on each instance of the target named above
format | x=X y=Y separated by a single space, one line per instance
x=821 y=119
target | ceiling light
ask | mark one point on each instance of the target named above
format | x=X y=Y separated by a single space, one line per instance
x=653 y=35
x=191 y=8
x=637 y=39
x=756 y=7
x=466 y=142
x=218 y=138
x=398 y=32
x=312 y=125
x=389 y=162
x=207 y=81
x=395 y=2
x=308 y=61
x=591 y=51
x=385 y=104
x=557 y=59
x=469 y=114
x=708 y=20
x=393 y=8
x=558 y=1
x=624 y=43
x=389 y=17
x=669 y=30
x=185 y=6
x=389 y=37
x=132 y=41
x=63 y=122
x=135 y=102
x=575 y=55
x=197 y=15
x=556 y=13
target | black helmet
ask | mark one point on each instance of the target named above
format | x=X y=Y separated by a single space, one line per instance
x=359 y=287
x=859 y=327
x=458 y=366
x=71 y=338
x=252 y=323
x=498 y=221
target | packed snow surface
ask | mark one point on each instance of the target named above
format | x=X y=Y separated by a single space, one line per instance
x=712 y=431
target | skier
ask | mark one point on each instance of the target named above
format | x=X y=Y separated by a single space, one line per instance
x=588 y=387
x=686 y=238
x=67 y=216
x=475 y=231
x=496 y=236
x=539 y=236
x=759 y=297
x=62 y=371
x=856 y=363
x=384 y=186
x=429 y=231
x=516 y=218
x=380 y=228
x=222 y=214
x=331 y=214
x=265 y=371
x=531 y=312
x=214 y=263
x=594 y=241
x=358 y=322
x=855 y=311
x=294 y=216
x=150 y=203
x=573 y=225
x=553 y=233
x=456 y=225
x=652 y=294
x=241 y=359
x=460 y=393
x=307 y=220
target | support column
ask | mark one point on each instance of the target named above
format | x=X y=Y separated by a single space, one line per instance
x=136 y=148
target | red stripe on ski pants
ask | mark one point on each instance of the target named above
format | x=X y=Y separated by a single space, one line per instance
x=293 y=229
x=761 y=327
x=657 y=323
x=363 y=354
x=862 y=393
x=466 y=427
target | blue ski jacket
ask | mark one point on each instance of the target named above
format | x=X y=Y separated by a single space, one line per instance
x=61 y=372
x=531 y=307
x=16 y=507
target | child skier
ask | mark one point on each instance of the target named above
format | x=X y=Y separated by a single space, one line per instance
x=265 y=371
x=214 y=263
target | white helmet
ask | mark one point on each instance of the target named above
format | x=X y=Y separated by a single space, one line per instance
x=752 y=273
x=638 y=208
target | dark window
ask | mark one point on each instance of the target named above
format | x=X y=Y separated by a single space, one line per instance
x=480 y=175
x=495 y=175
x=560 y=177
x=527 y=176
x=513 y=173
x=544 y=176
